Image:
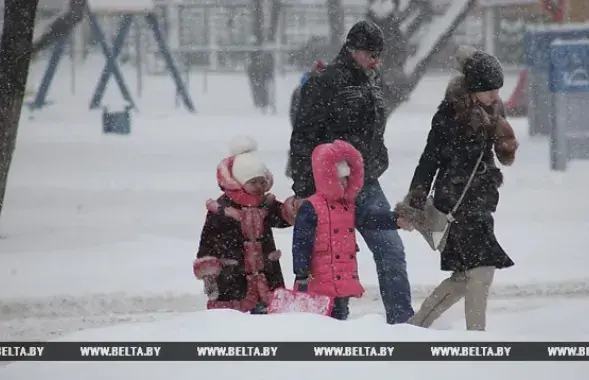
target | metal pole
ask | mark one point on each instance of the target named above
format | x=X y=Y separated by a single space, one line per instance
x=489 y=25
x=138 y=60
x=205 y=80
x=71 y=40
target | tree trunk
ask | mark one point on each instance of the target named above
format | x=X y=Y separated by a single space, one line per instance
x=261 y=66
x=15 y=55
x=335 y=17
x=258 y=22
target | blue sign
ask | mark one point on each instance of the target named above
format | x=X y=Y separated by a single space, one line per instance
x=569 y=66
x=537 y=42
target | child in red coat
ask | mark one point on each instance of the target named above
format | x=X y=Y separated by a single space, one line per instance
x=237 y=257
x=324 y=239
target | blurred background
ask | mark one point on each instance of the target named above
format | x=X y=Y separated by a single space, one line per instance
x=218 y=35
x=269 y=38
x=107 y=189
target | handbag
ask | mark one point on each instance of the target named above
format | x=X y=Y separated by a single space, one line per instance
x=436 y=224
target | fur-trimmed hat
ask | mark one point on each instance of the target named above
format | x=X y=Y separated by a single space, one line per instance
x=482 y=71
x=247 y=164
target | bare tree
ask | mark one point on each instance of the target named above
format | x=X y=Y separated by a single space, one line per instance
x=335 y=15
x=15 y=56
x=261 y=67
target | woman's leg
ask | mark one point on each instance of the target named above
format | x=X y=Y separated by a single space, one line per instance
x=478 y=285
x=450 y=291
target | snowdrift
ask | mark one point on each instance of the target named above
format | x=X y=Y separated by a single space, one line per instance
x=222 y=325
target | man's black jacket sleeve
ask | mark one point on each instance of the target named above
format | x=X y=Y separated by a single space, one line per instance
x=309 y=130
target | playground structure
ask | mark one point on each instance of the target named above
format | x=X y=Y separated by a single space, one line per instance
x=127 y=15
x=212 y=38
x=178 y=36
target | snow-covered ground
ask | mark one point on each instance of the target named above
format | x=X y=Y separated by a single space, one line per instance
x=232 y=326
x=99 y=230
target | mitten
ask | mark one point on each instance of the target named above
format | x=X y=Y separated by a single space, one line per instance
x=409 y=213
x=290 y=208
x=208 y=269
x=216 y=208
x=275 y=255
x=207 y=266
x=211 y=288
x=506 y=144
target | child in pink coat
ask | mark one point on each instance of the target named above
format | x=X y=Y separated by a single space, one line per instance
x=324 y=239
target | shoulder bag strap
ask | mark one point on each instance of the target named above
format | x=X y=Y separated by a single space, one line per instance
x=470 y=179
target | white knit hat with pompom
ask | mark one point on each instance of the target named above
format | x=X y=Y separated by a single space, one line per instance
x=246 y=164
x=242 y=144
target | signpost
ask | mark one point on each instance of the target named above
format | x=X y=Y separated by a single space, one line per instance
x=569 y=86
x=537 y=59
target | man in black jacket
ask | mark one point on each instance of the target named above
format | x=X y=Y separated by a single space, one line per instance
x=346 y=101
x=294 y=102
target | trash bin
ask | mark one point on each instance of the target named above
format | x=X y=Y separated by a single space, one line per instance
x=118 y=122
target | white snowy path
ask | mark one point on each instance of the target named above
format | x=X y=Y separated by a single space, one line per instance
x=204 y=327
x=101 y=229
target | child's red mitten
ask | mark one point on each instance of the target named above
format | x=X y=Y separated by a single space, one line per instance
x=207 y=269
x=275 y=255
x=207 y=266
x=211 y=288
x=216 y=208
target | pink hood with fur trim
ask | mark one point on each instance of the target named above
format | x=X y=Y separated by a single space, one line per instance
x=325 y=173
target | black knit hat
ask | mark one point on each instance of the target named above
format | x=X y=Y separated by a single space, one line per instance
x=365 y=35
x=482 y=72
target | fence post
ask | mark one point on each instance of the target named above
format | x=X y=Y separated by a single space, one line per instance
x=569 y=84
x=529 y=62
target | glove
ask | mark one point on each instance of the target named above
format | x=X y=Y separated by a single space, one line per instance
x=211 y=289
x=290 y=208
x=301 y=285
x=404 y=224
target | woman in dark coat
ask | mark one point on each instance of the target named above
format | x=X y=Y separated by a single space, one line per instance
x=469 y=120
